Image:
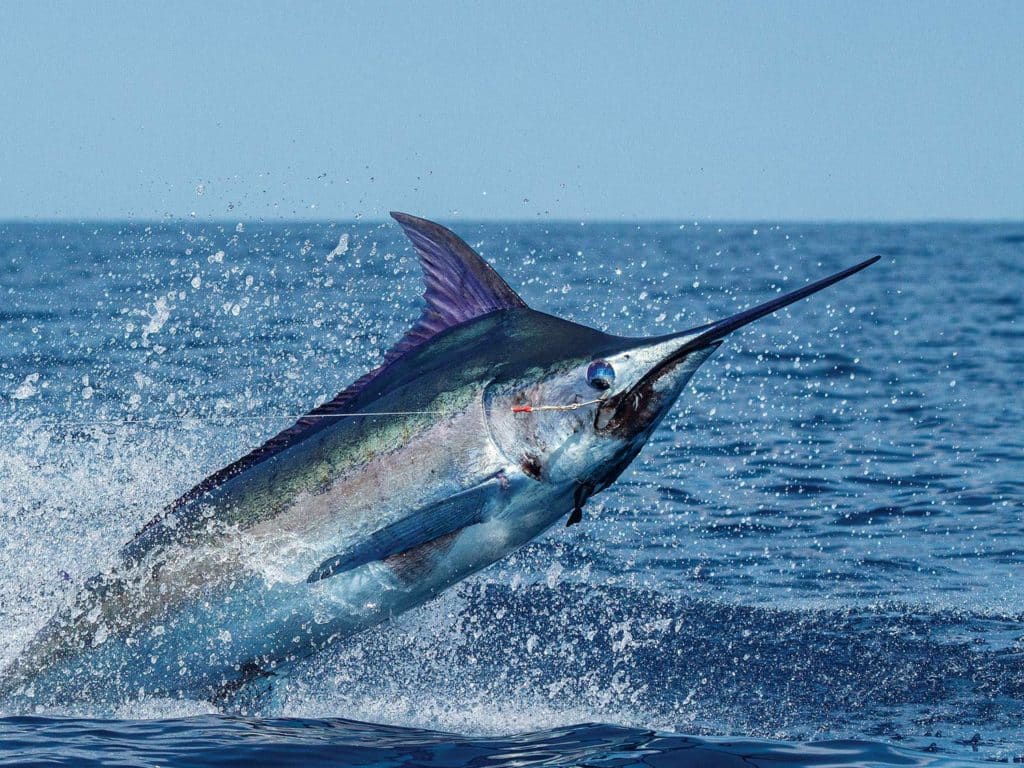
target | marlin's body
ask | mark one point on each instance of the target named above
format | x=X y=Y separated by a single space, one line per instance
x=422 y=472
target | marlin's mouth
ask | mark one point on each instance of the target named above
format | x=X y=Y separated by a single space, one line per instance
x=638 y=409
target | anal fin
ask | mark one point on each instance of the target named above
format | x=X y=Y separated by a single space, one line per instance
x=583 y=492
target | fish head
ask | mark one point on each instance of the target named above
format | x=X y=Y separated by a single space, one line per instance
x=580 y=416
x=582 y=404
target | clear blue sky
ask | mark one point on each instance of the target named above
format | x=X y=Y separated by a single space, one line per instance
x=767 y=111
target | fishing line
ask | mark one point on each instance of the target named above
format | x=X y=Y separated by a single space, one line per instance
x=225 y=418
x=229 y=419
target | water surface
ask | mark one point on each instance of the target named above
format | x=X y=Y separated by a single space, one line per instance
x=819 y=551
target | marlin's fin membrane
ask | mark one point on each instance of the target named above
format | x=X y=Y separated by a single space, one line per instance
x=460 y=285
x=422 y=526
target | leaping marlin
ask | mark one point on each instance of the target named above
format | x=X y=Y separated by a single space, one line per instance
x=485 y=424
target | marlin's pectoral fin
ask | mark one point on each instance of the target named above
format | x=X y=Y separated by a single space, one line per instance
x=419 y=527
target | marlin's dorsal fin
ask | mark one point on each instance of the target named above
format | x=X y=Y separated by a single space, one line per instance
x=460 y=287
x=460 y=284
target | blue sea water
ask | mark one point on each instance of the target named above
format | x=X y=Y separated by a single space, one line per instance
x=817 y=560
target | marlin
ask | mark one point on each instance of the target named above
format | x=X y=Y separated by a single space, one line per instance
x=486 y=424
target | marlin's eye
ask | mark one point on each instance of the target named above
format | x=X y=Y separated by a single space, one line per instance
x=600 y=374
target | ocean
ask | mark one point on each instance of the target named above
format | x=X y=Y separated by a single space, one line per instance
x=816 y=560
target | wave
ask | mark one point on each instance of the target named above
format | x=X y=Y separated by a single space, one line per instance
x=217 y=740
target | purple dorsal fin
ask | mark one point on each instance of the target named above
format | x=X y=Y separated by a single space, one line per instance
x=461 y=286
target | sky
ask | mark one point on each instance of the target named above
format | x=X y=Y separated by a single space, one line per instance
x=776 y=111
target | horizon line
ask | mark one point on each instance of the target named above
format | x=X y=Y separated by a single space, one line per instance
x=728 y=221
